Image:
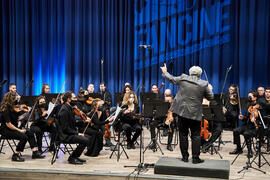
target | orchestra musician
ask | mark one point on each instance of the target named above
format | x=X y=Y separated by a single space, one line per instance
x=68 y=132
x=98 y=120
x=41 y=125
x=129 y=118
x=9 y=127
x=187 y=104
x=107 y=98
x=231 y=111
x=261 y=92
x=91 y=88
x=249 y=127
x=12 y=88
x=168 y=97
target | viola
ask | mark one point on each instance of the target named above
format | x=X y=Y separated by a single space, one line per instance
x=253 y=110
x=205 y=134
x=77 y=112
x=21 y=107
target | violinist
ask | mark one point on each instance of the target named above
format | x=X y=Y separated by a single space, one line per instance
x=170 y=122
x=98 y=120
x=156 y=91
x=130 y=120
x=231 y=111
x=249 y=127
x=91 y=88
x=40 y=124
x=265 y=111
x=9 y=128
x=67 y=130
x=226 y=96
x=127 y=88
x=12 y=88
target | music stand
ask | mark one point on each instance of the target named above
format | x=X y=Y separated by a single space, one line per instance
x=155 y=109
x=28 y=100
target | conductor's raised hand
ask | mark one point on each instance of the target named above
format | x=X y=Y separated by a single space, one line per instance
x=163 y=68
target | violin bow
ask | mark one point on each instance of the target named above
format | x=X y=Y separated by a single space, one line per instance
x=89 y=122
x=239 y=103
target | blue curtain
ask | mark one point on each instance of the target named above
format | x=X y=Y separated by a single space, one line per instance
x=50 y=41
x=213 y=34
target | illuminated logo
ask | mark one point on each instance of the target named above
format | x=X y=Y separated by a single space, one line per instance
x=179 y=29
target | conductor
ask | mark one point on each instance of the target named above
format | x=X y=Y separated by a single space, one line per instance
x=187 y=104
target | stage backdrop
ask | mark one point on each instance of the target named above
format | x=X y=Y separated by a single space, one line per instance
x=50 y=41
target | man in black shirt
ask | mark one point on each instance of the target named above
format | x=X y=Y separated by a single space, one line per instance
x=68 y=132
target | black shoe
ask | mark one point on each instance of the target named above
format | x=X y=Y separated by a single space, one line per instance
x=17 y=157
x=81 y=160
x=37 y=155
x=197 y=161
x=128 y=146
x=236 y=151
x=72 y=160
x=153 y=145
x=185 y=159
x=169 y=147
x=51 y=149
x=250 y=154
x=132 y=145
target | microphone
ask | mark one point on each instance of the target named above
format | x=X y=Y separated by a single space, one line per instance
x=144 y=46
x=229 y=68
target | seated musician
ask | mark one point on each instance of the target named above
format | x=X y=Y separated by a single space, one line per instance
x=41 y=124
x=91 y=88
x=170 y=121
x=265 y=104
x=68 y=132
x=9 y=128
x=107 y=98
x=231 y=111
x=249 y=127
x=98 y=120
x=130 y=120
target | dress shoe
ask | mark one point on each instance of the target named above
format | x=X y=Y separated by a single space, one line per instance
x=128 y=146
x=197 y=161
x=81 y=160
x=37 y=155
x=185 y=159
x=72 y=160
x=236 y=151
x=133 y=146
x=169 y=147
x=17 y=157
x=250 y=154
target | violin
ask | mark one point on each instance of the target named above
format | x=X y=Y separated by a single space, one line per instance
x=77 y=112
x=205 y=134
x=107 y=133
x=169 y=119
x=21 y=107
x=253 y=110
x=90 y=100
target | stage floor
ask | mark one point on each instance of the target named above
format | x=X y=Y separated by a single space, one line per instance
x=103 y=165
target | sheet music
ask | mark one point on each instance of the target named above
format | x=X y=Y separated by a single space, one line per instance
x=50 y=109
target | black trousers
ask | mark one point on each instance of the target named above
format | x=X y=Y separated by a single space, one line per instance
x=22 y=137
x=247 y=132
x=153 y=125
x=129 y=129
x=39 y=129
x=216 y=132
x=195 y=127
x=170 y=132
x=83 y=141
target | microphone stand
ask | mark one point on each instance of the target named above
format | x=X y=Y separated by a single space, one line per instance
x=221 y=95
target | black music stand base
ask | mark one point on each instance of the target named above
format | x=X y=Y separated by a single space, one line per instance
x=118 y=148
x=154 y=149
x=249 y=166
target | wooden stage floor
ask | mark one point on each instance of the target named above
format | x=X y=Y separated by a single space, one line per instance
x=97 y=167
